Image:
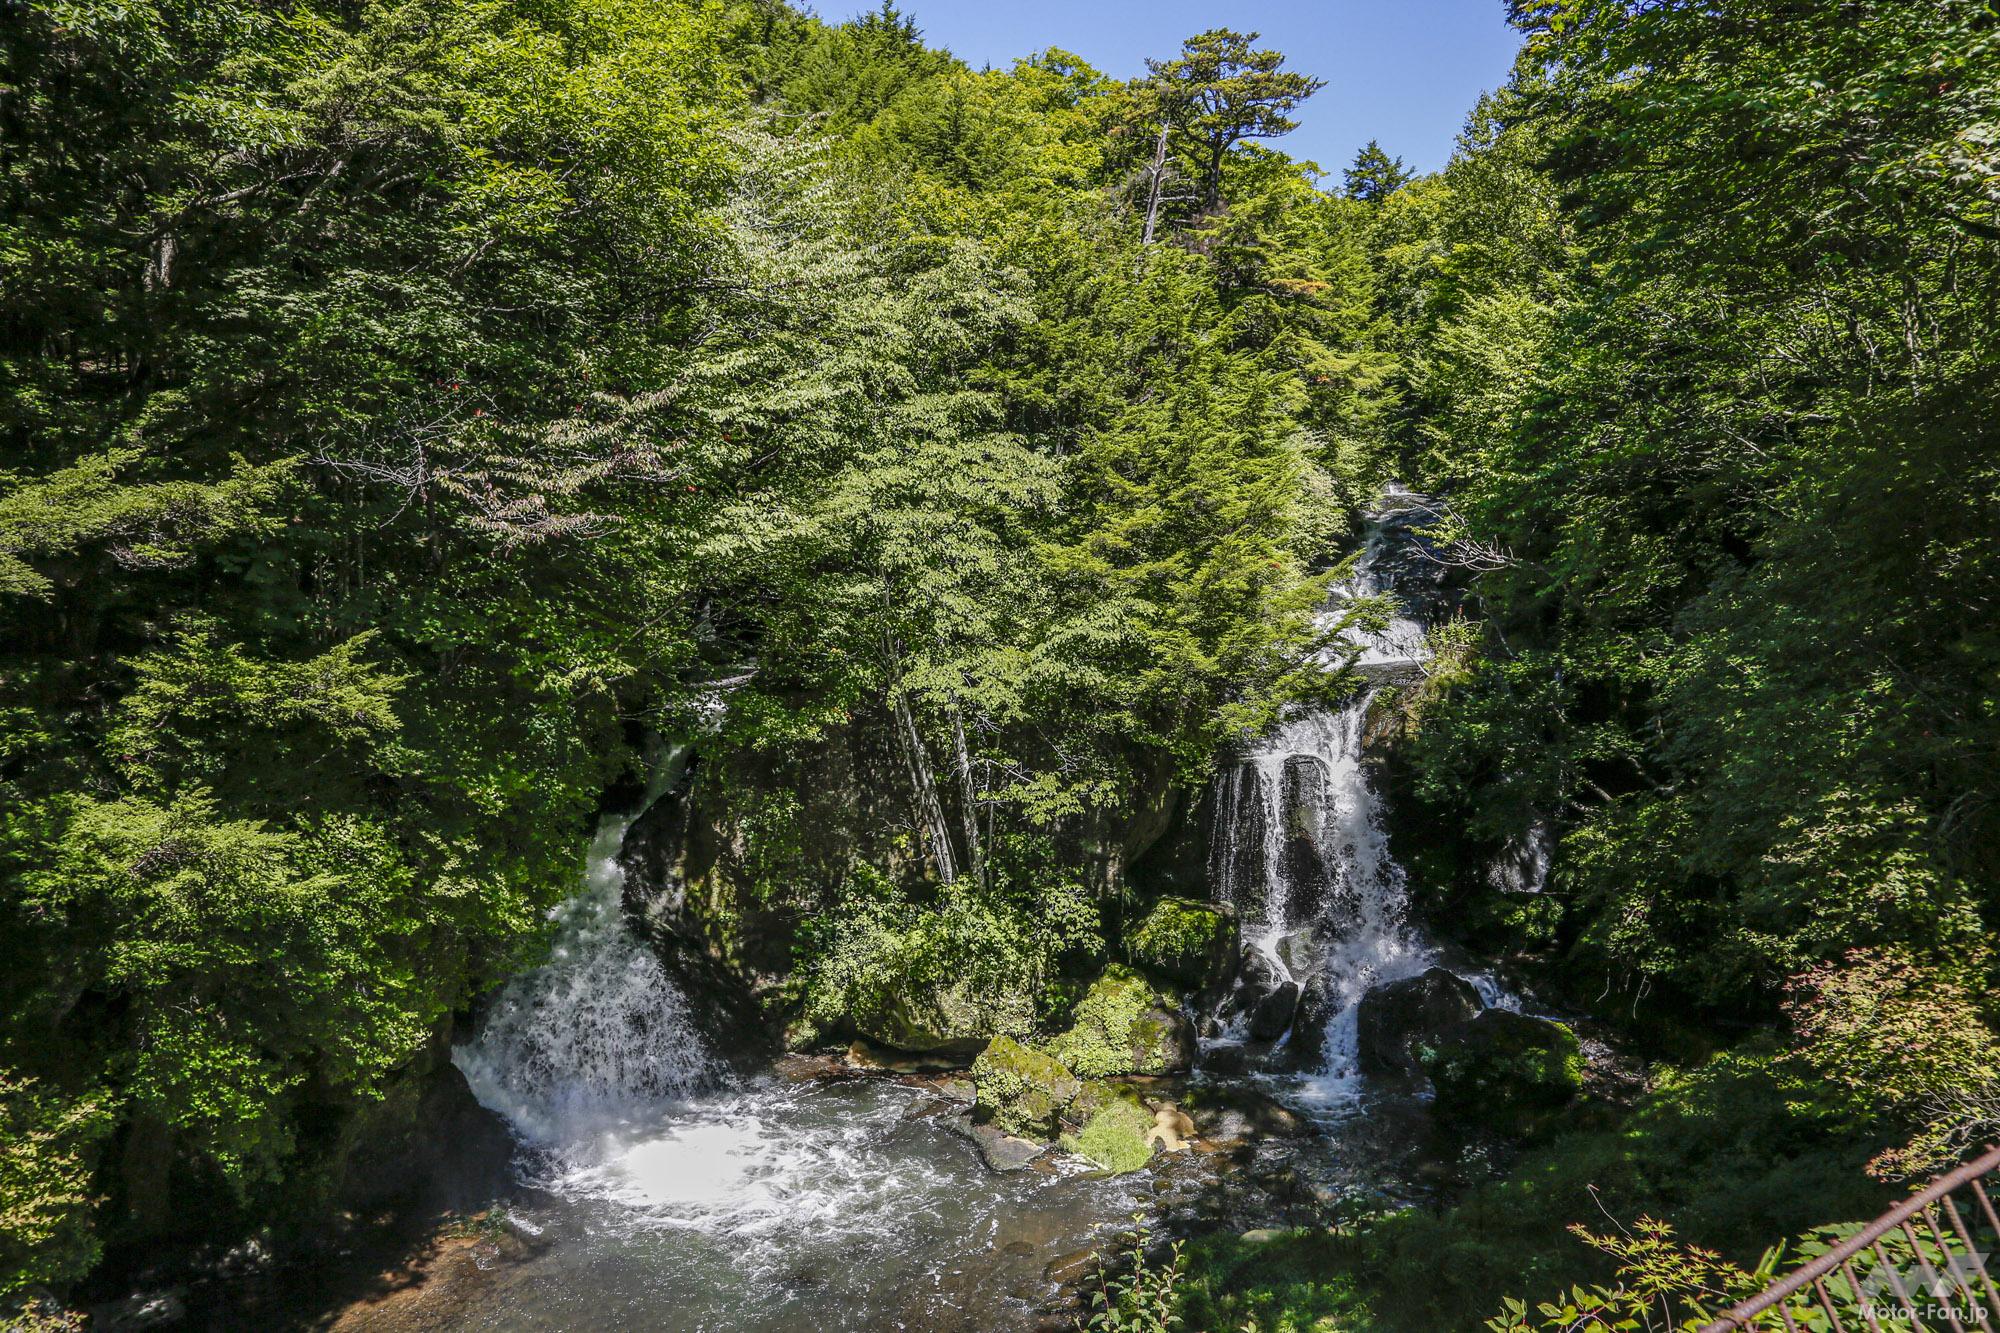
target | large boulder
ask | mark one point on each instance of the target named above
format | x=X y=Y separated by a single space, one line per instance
x=1019 y=1090
x=1124 y=1026
x=1265 y=996
x=1503 y=1071
x=1396 y=1017
x=950 y=1016
x=1187 y=941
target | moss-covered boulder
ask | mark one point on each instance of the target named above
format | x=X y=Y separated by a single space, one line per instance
x=1398 y=1016
x=1125 y=1026
x=1503 y=1071
x=1116 y=1134
x=955 y=1016
x=1186 y=941
x=1020 y=1090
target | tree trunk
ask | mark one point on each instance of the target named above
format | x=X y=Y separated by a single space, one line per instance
x=968 y=797
x=1158 y=176
x=930 y=811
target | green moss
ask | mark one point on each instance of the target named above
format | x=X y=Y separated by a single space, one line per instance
x=1185 y=940
x=1123 y=1026
x=1020 y=1090
x=1115 y=1136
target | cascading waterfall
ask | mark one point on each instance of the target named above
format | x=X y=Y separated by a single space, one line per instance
x=600 y=1033
x=1299 y=846
x=666 y=1196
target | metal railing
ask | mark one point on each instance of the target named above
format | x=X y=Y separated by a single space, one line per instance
x=1918 y=1266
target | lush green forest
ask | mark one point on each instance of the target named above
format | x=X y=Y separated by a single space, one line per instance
x=410 y=410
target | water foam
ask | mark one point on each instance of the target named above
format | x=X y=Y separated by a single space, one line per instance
x=599 y=1035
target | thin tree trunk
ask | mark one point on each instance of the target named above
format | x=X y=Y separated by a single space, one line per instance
x=968 y=797
x=1158 y=177
x=930 y=811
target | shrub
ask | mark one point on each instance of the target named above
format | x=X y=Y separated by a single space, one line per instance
x=48 y=1147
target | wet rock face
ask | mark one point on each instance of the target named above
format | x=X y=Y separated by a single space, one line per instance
x=1302 y=852
x=1265 y=997
x=1306 y=1048
x=1504 y=1072
x=1398 y=1017
x=1273 y=1013
x=710 y=876
x=1237 y=851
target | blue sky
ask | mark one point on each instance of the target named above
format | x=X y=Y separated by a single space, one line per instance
x=1402 y=71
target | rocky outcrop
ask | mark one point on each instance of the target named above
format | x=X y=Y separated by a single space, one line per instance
x=1124 y=1026
x=1303 y=846
x=727 y=867
x=952 y=1016
x=1187 y=941
x=1504 y=1072
x=1021 y=1091
x=1397 y=1017
x=1265 y=998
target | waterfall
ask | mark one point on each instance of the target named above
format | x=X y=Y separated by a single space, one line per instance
x=1523 y=864
x=1298 y=842
x=599 y=1034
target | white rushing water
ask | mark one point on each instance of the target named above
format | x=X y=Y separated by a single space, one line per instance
x=665 y=1195
x=599 y=1035
x=1299 y=846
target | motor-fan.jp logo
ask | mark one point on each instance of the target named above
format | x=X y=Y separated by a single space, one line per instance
x=1940 y=1294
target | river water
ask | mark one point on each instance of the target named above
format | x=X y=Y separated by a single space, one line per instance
x=663 y=1192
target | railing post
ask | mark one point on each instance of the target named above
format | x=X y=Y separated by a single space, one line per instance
x=1811 y=1276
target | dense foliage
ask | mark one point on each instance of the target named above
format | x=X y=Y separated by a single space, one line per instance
x=411 y=410
x=1717 y=440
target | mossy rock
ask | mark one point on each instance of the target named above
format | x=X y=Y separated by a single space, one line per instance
x=955 y=1017
x=1125 y=1026
x=1187 y=941
x=1021 y=1090
x=1503 y=1071
x=1115 y=1136
x=1098 y=1094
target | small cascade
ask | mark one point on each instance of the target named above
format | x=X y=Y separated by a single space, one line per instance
x=1523 y=864
x=1299 y=846
x=598 y=1035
